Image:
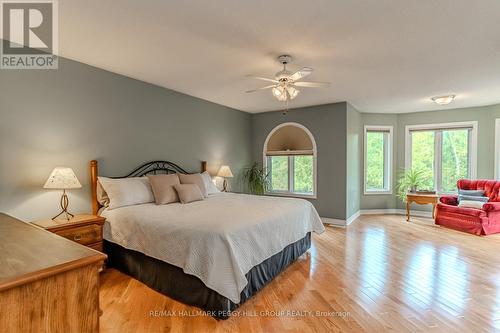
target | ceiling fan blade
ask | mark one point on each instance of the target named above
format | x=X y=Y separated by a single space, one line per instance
x=263 y=88
x=312 y=84
x=301 y=73
x=262 y=78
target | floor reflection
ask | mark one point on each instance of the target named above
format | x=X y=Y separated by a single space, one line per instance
x=419 y=273
x=452 y=279
x=422 y=273
x=373 y=268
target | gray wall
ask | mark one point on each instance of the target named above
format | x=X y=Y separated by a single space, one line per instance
x=69 y=116
x=328 y=125
x=485 y=116
x=353 y=160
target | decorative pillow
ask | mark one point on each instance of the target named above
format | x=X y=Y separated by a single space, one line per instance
x=195 y=178
x=472 y=198
x=209 y=184
x=102 y=196
x=471 y=204
x=127 y=191
x=473 y=193
x=188 y=193
x=163 y=188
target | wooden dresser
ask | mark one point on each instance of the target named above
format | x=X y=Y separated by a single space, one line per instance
x=47 y=283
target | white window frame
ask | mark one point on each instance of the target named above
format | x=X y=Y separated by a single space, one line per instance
x=437 y=148
x=291 y=164
x=388 y=158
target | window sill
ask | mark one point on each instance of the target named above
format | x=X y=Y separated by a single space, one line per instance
x=375 y=192
x=292 y=195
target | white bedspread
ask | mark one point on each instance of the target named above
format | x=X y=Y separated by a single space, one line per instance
x=218 y=239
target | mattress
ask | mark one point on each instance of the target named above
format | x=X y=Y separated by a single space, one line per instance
x=219 y=239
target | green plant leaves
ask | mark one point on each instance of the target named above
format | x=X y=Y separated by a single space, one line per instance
x=256 y=179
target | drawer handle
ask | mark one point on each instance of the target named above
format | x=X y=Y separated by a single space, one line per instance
x=77 y=237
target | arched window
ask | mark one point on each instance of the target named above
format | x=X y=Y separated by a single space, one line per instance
x=290 y=158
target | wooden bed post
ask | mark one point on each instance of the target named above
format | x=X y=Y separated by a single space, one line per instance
x=93 y=182
x=203 y=166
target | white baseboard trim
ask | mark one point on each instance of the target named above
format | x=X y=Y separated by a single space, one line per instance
x=353 y=217
x=333 y=222
x=394 y=211
x=340 y=222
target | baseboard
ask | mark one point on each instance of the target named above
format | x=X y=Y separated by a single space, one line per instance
x=379 y=211
x=340 y=222
x=390 y=211
x=394 y=211
x=353 y=217
x=333 y=222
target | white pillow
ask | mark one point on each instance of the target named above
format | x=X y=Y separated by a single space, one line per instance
x=127 y=191
x=471 y=204
x=209 y=184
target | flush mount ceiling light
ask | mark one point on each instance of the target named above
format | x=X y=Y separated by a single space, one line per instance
x=443 y=100
x=285 y=83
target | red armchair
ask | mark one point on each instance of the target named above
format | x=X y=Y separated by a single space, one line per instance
x=483 y=221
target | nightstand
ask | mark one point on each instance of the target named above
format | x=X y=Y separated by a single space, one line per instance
x=82 y=229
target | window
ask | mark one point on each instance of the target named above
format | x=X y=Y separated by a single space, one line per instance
x=291 y=173
x=444 y=152
x=290 y=160
x=278 y=167
x=422 y=152
x=378 y=159
x=303 y=166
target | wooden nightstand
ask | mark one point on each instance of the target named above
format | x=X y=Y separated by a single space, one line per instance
x=83 y=229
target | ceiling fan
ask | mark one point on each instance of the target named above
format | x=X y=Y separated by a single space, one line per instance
x=285 y=83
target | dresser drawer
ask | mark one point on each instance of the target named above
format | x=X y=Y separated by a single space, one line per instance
x=84 y=235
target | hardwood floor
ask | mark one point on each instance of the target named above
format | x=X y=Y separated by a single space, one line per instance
x=380 y=274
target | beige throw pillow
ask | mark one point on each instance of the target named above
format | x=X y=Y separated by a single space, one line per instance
x=188 y=193
x=163 y=188
x=195 y=178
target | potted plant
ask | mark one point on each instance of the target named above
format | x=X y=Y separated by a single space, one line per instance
x=409 y=181
x=256 y=179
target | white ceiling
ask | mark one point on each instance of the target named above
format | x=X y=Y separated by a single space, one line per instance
x=386 y=56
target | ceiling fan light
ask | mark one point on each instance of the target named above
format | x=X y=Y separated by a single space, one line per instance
x=443 y=100
x=277 y=92
x=283 y=97
x=292 y=92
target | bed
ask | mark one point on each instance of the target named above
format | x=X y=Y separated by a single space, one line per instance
x=215 y=253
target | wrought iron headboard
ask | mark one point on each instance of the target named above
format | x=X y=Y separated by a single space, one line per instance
x=154 y=167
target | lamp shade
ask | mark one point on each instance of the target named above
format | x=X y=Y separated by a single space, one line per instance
x=225 y=172
x=62 y=179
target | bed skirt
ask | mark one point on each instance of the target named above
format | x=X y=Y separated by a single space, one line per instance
x=171 y=280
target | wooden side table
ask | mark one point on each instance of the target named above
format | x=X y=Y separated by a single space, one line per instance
x=82 y=229
x=421 y=199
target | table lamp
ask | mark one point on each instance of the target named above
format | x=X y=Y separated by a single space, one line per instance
x=225 y=172
x=63 y=179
